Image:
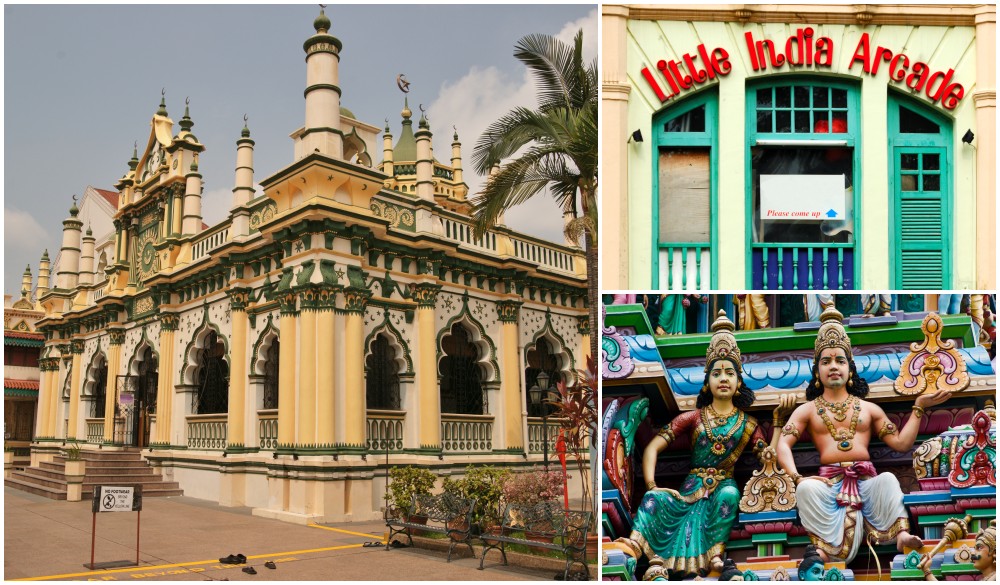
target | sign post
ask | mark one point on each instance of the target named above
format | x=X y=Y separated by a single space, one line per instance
x=116 y=499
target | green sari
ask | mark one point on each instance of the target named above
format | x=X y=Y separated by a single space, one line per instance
x=683 y=529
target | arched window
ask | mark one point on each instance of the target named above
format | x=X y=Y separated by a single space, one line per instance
x=461 y=377
x=271 y=362
x=100 y=389
x=540 y=359
x=213 y=377
x=382 y=375
x=803 y=188
x=149 y=373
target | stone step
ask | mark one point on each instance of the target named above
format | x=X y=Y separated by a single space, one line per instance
x=117 y=470
x=32 y=488
x=29 y=475
x=46 y=472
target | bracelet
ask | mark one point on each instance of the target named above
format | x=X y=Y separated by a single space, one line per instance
x=650 y=486
x=796 y=478
x=918 y=411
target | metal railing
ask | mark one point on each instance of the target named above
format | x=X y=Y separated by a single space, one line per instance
x=267 y=429
x=685 y=266
x=385 y=430
x=207 y=431
x=466 y=433
x=800 y=267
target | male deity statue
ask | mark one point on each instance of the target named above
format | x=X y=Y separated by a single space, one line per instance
x=984 y=559
x=848 y=499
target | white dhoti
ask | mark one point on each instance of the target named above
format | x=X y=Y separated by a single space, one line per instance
x=839 y=530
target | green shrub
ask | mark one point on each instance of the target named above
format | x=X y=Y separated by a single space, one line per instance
x=405 y=482
x=485 y=484
x=533 y=487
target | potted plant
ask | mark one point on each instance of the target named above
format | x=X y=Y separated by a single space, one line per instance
x=484 y=483
x=405 y=482
x=533 y=487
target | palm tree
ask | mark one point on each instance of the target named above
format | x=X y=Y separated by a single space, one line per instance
x=554 y=147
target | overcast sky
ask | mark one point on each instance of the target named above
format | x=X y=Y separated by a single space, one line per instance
x=81 y=84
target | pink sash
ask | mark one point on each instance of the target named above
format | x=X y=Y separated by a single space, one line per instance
x=849 y=495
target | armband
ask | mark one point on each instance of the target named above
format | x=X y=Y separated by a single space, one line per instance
x=790 y=429
x=887 y=429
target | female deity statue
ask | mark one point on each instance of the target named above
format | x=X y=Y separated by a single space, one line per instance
x=684 y=532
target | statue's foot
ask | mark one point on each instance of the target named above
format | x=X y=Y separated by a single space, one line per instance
x=717 y=563
x=905 y=539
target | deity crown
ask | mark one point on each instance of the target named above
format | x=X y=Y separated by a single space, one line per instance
x=723 y=344
x=989 y=536
x=832 y=334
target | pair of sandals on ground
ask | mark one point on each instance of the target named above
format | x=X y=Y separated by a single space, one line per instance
x=240 y=559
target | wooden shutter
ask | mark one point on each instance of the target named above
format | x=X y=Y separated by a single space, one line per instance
x=921 y=224
x=685 y=195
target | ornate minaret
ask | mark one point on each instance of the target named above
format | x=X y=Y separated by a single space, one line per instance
x=191 y=223
x=322 y=132
x=26 y=283
x=425 y=162
x=461 y=190
x=69 y=254
x=243 y=191
x=43 y=278
x=387 y=166
x=87 y=259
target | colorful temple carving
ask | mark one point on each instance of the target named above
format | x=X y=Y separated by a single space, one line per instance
x=948 y=477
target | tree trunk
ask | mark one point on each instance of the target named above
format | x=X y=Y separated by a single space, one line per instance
x=592 y=294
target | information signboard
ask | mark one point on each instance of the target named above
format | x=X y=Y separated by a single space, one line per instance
x=802 y=197
x=117 y=498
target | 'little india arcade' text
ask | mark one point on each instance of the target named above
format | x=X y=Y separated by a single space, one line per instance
x=805 y=50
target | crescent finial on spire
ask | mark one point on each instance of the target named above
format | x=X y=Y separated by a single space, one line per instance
x=187 y=100
x=163 y=92
x=74 y=197
x=245 y=118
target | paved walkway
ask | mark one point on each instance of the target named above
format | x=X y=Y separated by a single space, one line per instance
x=182 y=538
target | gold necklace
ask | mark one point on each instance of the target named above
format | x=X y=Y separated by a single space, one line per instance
x=844 y=437
x=839 y=408
x=719 y=418
x=719 y=443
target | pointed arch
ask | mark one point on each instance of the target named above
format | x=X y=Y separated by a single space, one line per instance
x=558 y=344
x=398 y=344
x=95 y=383
x=487 y=350
x=189 y=368
x=268 y=336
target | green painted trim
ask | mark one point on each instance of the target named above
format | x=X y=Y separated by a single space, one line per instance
x=387 y=327
x=547 y=327
x=769 y=538
x=710 y=138
x=317 y=86
x=943 y=518
x=900 y=143
x=739 y=544
x=491 y=359
x=853 y=142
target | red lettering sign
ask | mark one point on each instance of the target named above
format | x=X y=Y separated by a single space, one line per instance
x=803 y=49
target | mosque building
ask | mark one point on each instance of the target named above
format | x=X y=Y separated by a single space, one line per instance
x=343 y=321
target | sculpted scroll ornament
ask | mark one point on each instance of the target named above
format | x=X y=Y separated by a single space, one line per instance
x=933 y=364
x=769 y=489
x=975 y=460
x=615 y=354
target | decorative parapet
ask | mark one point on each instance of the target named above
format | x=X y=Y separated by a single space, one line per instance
x=398 y=216
x=933 y=364
x=961 y=457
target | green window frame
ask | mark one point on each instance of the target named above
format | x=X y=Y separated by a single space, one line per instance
x=706 y=138
x=811 y=101
x=921 y=190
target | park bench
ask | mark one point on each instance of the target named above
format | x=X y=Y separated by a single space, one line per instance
x=444 y=514
x=555 y=527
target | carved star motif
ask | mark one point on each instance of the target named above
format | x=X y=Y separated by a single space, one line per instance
x=298 y=246
x=448 y=304
x=339 y=273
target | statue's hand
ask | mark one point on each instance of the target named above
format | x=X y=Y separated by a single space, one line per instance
x=928 y=400
x=660 y=331
x=786 y=405
x=925 y=566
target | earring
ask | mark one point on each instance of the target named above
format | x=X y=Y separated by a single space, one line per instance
x=850 y=383
x=816 y=383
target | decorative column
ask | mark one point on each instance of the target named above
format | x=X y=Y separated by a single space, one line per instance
x=510 y=387
x=387 y=163
x=116 y=338
x=76 y=347
x=62 y=363
x=306 y=436
x=44 y=398
x=985 y=98
x=614 y=150
x=355 y=301
x=429 y=395
x=322 y=131
x=236 y=438
x=325 y=356
x=286 y=367
x=165 y=379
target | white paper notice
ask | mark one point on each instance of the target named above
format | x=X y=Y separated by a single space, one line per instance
x=802 y=197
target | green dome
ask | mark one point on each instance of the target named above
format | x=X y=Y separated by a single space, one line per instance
x=348 y=113
x=322 y=22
